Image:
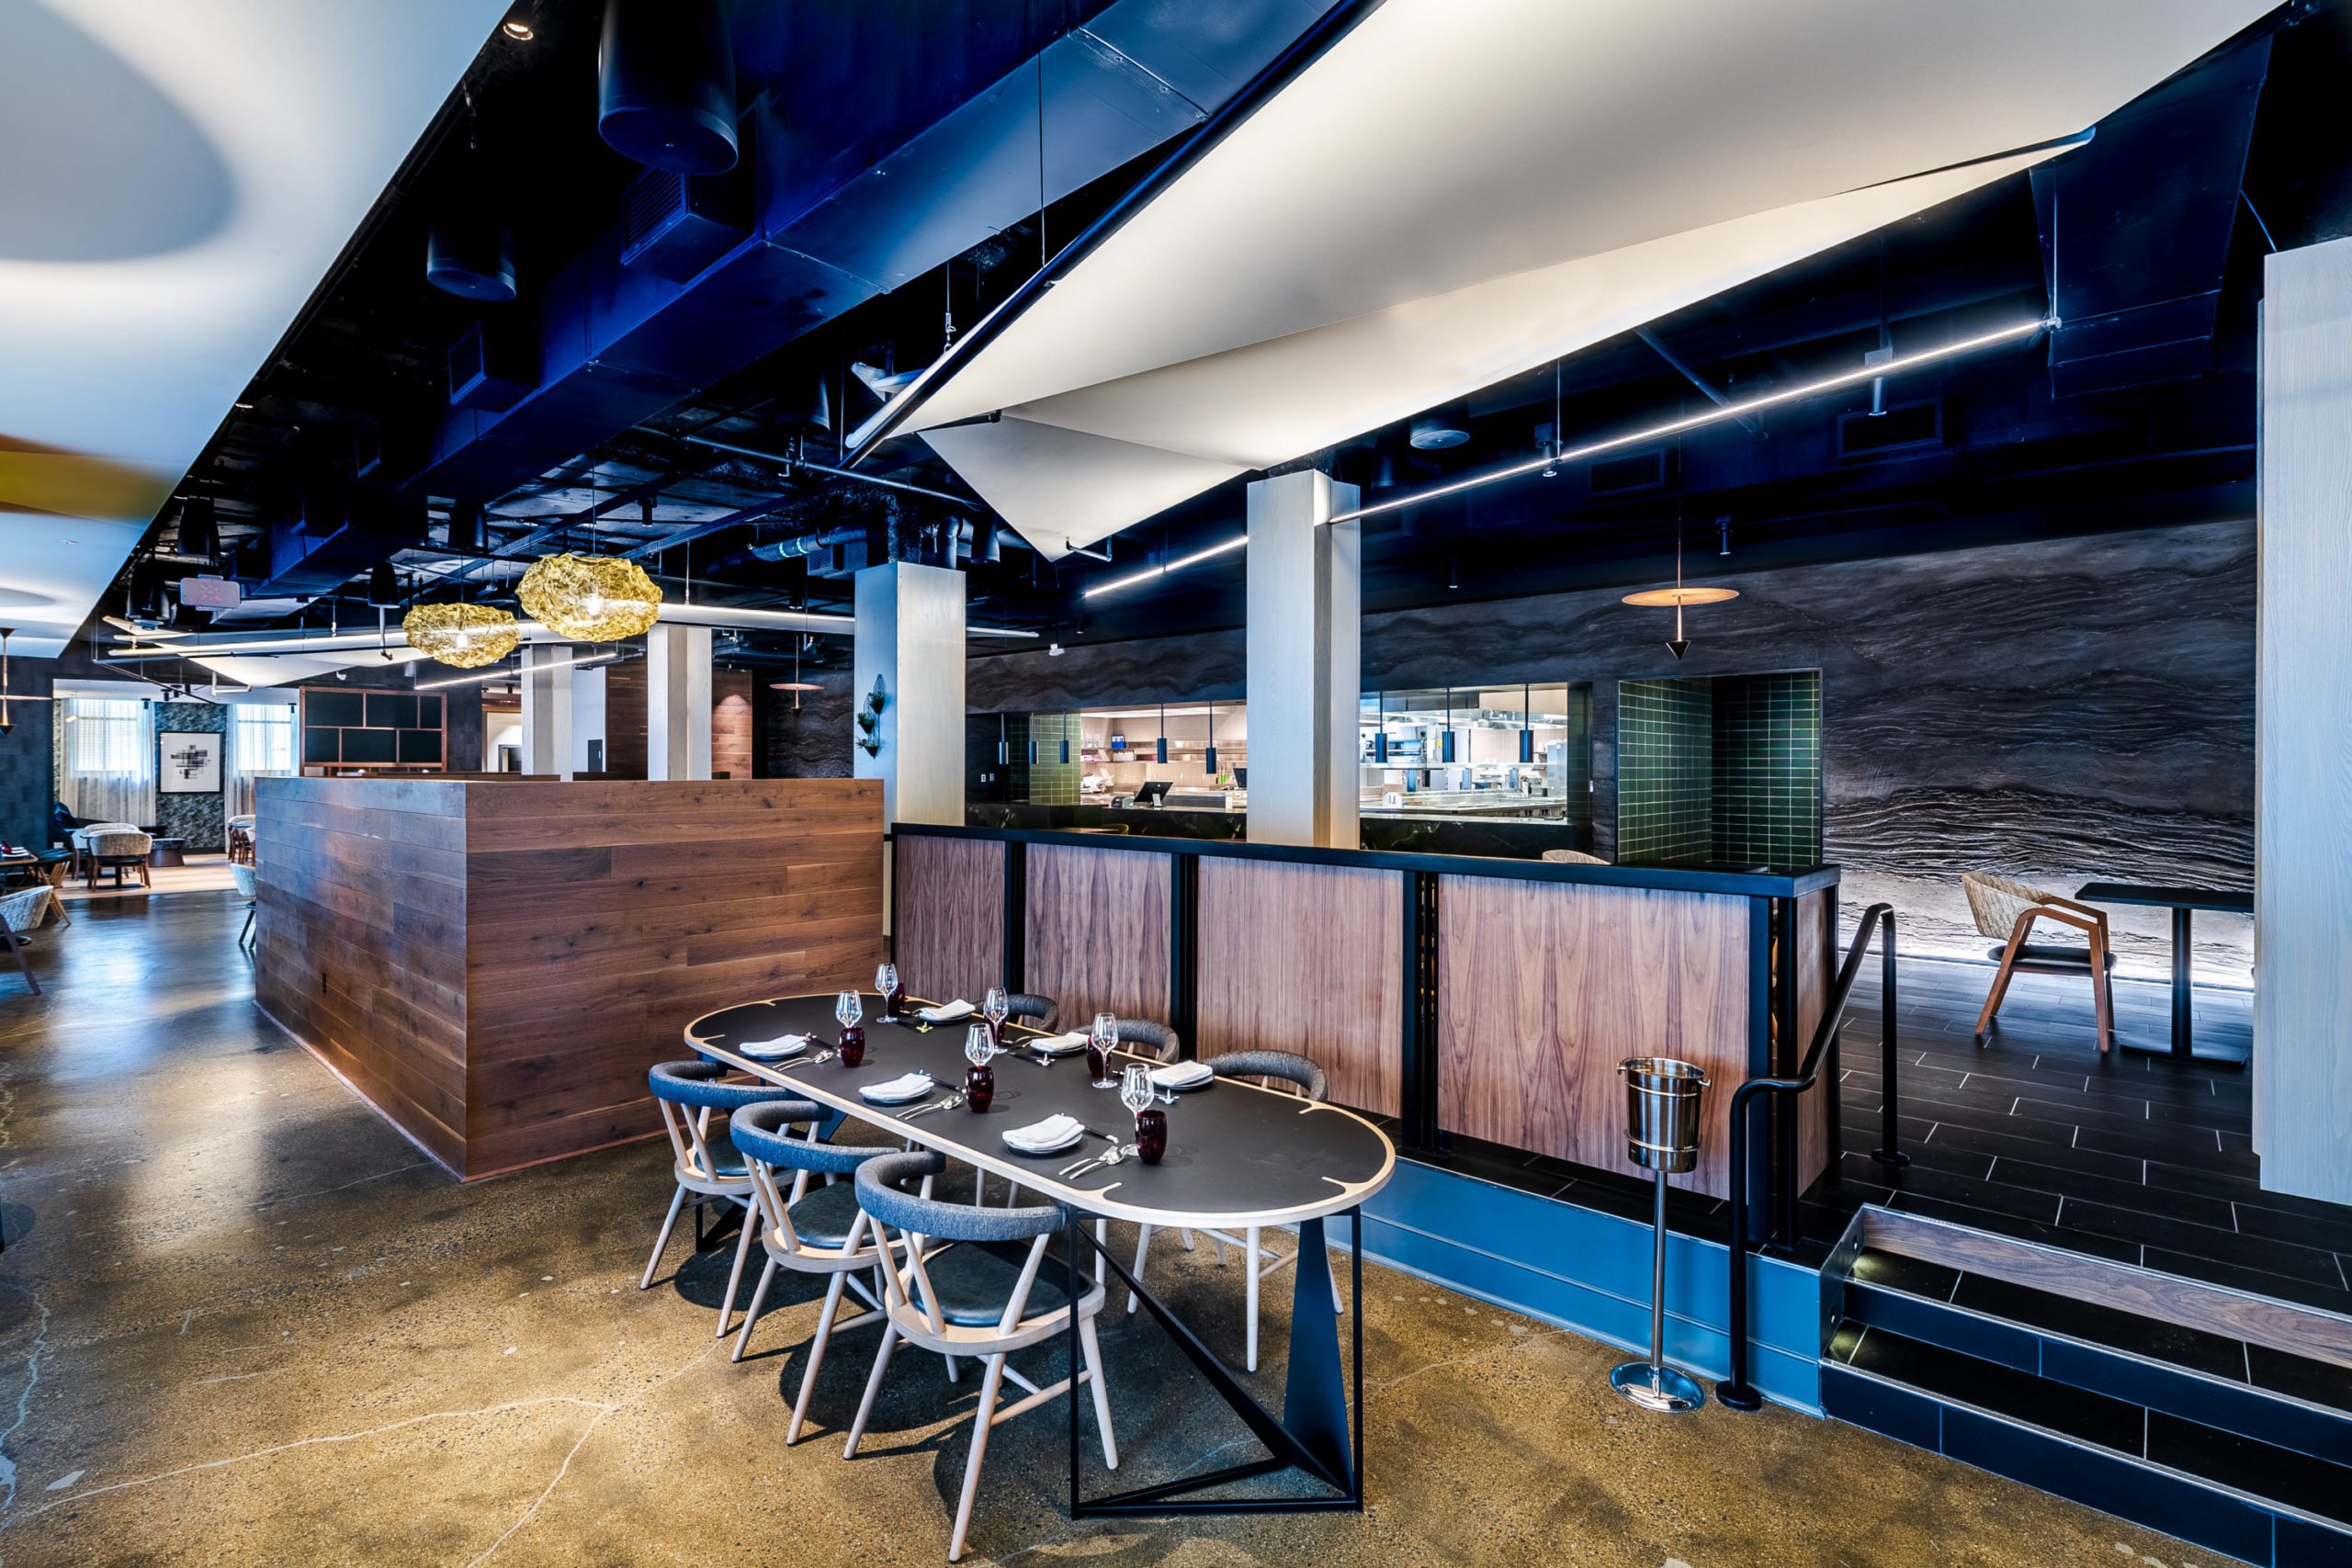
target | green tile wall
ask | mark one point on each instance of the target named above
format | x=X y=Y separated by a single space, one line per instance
x=1665 y=771
x=1767 y=769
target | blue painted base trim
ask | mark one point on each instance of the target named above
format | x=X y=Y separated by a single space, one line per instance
x=1590 y=1271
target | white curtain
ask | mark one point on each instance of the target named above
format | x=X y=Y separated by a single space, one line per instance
x=109 y=760
x=261 y=745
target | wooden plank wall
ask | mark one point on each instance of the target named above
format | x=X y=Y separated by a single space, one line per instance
x=360 y=895
x=498 y=976
x=1097 y=933
x=950 y=937
x=1544 y=988
x=626 y=699
x=1306 y=958
x=602 y=916
x=730 y=724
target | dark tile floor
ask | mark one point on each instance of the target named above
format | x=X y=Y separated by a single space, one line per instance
x=2129 y=1156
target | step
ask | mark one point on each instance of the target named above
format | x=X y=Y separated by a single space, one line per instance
x=2187 y=1407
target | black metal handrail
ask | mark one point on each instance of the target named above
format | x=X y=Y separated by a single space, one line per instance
x=1735 y=1391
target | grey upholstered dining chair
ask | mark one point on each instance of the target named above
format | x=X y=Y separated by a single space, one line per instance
x=1158 y=1041
x=989 y=1293
x=1283 y=1067
x=119 y=852
x=688 y=1093
x=804 y=1229
x=242 y=876
x=1029 y=1008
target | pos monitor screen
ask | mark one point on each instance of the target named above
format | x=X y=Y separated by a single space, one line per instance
x=1151 y=793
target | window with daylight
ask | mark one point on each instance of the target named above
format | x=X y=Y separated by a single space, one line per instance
x=261 y=745
x=106 y=769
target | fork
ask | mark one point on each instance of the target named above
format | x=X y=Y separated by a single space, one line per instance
x=950 y=1103
x=1109 y=1156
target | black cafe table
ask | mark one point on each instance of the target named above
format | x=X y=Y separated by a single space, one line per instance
x=1237 y=1155
x=2184 y=902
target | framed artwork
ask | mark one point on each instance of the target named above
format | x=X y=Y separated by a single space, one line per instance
x=188 y=763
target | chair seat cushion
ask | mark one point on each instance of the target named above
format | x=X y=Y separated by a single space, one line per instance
x=2051 y=957
x=824 y=1216
x=975 y=1278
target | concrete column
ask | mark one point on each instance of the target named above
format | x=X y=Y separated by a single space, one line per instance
x=2303 y=898
x=910 y=637
x=677 y=702
x=1306 y=664
x=547 y=708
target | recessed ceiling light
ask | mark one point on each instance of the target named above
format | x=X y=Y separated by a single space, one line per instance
x=247 y=407
x=516 y=27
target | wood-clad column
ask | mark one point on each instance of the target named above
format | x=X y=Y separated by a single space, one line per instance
x=547 y=709
x=1305 y=662
x=677 y=703
x=2302 y=893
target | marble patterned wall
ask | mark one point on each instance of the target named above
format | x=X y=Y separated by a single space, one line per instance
x=201 y=820
x=813 y=741
x=2062 y=709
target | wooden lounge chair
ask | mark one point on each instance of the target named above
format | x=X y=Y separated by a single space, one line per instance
x=2007 y=909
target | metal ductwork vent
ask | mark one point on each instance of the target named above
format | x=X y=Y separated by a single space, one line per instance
x=665 y=84
x=1899 y=429
x=1629 y=475
x=494 y=365
x=674 y=225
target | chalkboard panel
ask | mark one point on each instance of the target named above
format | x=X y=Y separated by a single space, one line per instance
x=322 y=745
x=391 y=710
x=420 y=745
x=330 y=710
x=369 y=746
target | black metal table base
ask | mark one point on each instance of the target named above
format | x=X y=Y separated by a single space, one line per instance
x=1321 y=1430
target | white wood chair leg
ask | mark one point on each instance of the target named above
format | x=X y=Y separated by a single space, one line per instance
x=1254 y=1258
x=677 y=1201
x=816 y=1358
x=1187 y=1235
x=759 y=1300
x=1102 y=1393
x=735 y=1275
x=1102 y=1242
x=981 y=1421
x=1143 y=1246
x=873 y=1386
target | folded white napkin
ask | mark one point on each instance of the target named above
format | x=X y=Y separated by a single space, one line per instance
x=1058 y=1044
x=947 y=1011
x=1051 y=1134
x=905 y=1087
x=782 y=1045
x=1183 y=1075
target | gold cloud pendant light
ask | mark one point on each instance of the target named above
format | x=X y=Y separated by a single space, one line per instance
x=590 y=598
x=465 y=635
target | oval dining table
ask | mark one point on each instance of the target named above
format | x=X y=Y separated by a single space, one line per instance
x=1237 y=1155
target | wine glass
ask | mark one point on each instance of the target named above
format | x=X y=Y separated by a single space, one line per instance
x=848 y=1008
x=886 y=980
x=1099 y=1043
x=850 y=1045
x=996 y=1006
x=979 y=1045
x=1134 y=1087
x=980 y=1084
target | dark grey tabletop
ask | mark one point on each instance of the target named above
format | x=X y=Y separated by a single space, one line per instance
x=2166 y=898
x=1237 y=1155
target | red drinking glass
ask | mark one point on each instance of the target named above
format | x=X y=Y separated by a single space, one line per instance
x=979 y=1087
x=1098 y=1061
x=853 y=1047
x=1151 y=1135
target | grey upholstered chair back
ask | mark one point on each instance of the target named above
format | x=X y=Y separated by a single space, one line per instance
x=881 y=1194
x=1029 y=1008
x=1285 y=1066
x=759 y=1133
x=1157 y=1039
x=120 y=846
x=242 y=876
x=26 y=909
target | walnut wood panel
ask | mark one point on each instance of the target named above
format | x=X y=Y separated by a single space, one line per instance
x=950 y=916
x=730 y=724
x=1544 y=988
x=1306 y=958
x=626 y=699
x=496 y=964
x=360 y=938
x=2189 y=1303
x=1816 y=972
x=1097 y=930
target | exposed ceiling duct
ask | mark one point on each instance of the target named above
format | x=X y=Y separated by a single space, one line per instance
x=665 y=84
x=1450 y=195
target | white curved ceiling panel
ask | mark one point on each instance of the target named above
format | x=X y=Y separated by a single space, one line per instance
x=1401 y=210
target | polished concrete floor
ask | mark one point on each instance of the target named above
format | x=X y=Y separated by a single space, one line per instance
x=242 y=1322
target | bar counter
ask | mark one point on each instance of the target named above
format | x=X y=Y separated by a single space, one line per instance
x=494 y=963
x=1466 y=996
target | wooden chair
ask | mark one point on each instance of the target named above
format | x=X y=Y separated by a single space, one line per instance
x=20 y=913
x=2007 y=909
x=1572 y=857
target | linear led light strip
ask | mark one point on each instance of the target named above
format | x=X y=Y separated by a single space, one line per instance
x=1156 y=572
x=506 y=672
x=351 y=642
x=1712 y=417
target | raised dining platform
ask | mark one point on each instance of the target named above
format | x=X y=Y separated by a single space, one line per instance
x=489 y=962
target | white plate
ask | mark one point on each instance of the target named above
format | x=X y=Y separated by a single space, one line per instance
x=1076 y=1135
x=1055 y=1044
x=880 y=1093
x=773 y=1050
x=947 y=1012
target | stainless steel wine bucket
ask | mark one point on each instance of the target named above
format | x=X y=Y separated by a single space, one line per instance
x=1662 y=1113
